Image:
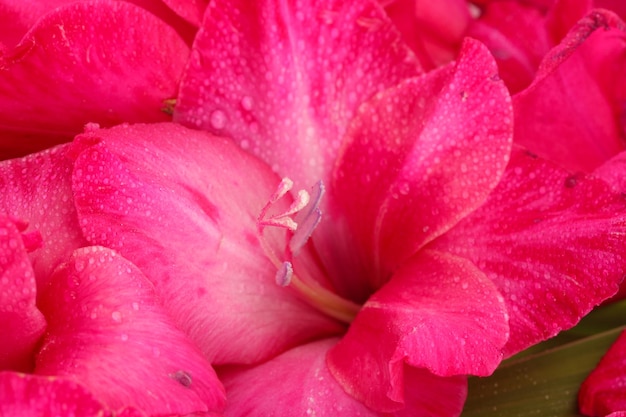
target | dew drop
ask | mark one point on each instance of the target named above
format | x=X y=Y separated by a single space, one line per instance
x=247 y=102
x=218 y=119
x=116 y=316
x=79 y=265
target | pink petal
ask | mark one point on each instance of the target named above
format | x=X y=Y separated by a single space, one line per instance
x=298 y=383
x=32 y=395
x=613 y=171
x=517 y=37
x=420 y=157
x=438 y=312
x=550 y=241
x=429 y=395
x=604 y=390
x=190 y=10
x=104 y=62
x=183 y=206
x=434 y=30
x=563 y=16
x=284 y=78
x=37 y=190
x=573 y=113
x=617 y=6
x=19 y=16
x=108 y=332
x=21 y=323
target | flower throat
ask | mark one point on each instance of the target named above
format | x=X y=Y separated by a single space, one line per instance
x=301 y=219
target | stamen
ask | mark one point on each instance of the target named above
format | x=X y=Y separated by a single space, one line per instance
x=308 y=220
x=283 y=219
x=324 y=299
x=285 y=185
x=284 y=274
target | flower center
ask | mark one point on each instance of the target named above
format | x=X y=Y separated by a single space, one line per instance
x=301 y=219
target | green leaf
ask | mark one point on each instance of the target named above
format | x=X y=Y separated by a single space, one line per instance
x=544 y=380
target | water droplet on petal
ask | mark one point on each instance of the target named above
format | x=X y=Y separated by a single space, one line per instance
x=247 y=102
x=116 y=316
x=218 y=119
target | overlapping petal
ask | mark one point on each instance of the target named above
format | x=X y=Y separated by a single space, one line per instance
x=298 y=383
x=516 y=35
x=183 y=205
x=604 y=390
x=284 y=78
x=18 y=16
x=551 y=242
x=190 y=10
x=613 y=171
x=113 y=50
x=438 y=312
x=33 y=395
x=573 y=113
x=21 y=323
x=37 y=190
x=433 y=29
x=108 y=332
x=418 y=158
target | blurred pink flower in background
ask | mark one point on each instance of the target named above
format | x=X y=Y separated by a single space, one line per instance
x=519 y=33
x=604 y=392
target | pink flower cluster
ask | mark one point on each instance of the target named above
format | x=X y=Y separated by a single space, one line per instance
x=294 y=207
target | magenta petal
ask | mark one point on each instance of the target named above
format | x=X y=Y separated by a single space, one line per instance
x=190 y=10
x=107 y=331
x=37 y=396
x=37 y=190
x=433 y=29
x=438 y=312
x=298 y=383
x=573 y=113
x=21 y=323
x=517 y=37
x=105 y=62
x=183 y=205
x=421 y=156
x=613 y=171
x=550 y=241
x=17 y=16
x=604 y=390
x=284 y=78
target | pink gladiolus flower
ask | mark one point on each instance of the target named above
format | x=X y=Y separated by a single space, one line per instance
x=352 y=236
x=421 y=257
